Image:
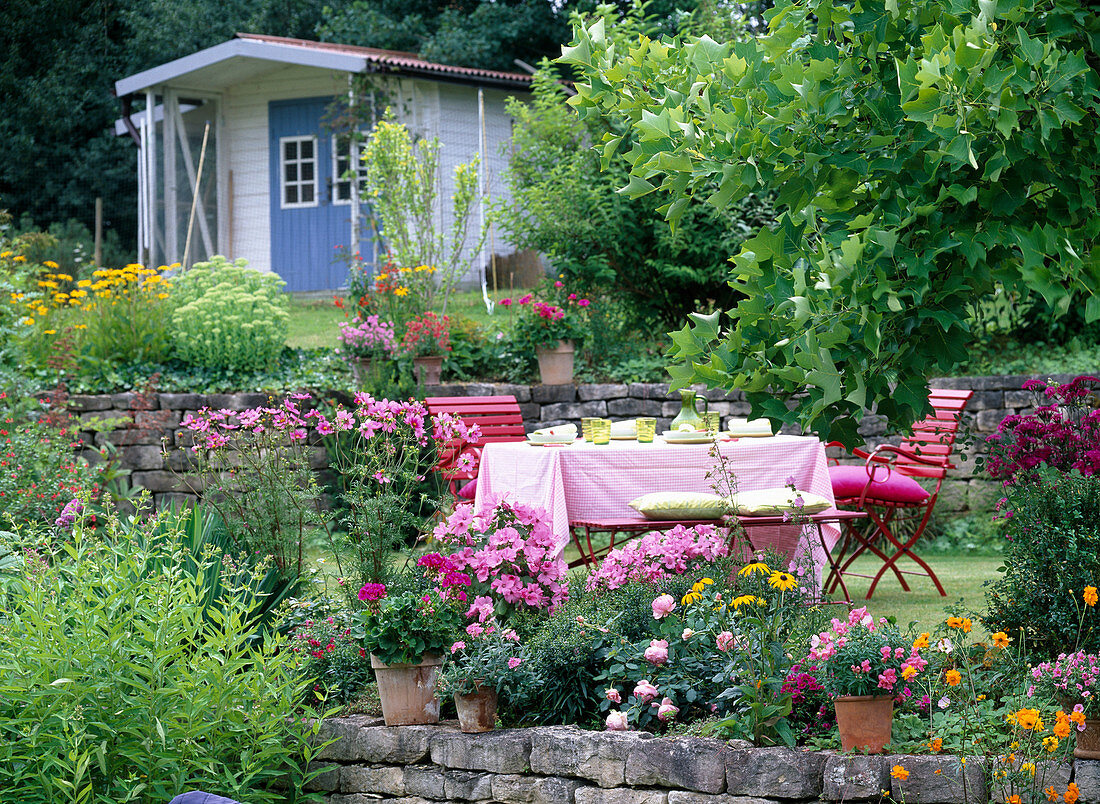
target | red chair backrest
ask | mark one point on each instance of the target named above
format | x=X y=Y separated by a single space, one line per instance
x=933 y=438
x=498 y=417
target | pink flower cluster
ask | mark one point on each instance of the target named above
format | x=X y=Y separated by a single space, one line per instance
x=659 y=555
x=444 y=572
x=824 y=646
x=1072 y=676
x=510 y=552
x=369 y=337
x=644 y=693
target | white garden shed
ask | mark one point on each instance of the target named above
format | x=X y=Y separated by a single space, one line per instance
x=270 y=181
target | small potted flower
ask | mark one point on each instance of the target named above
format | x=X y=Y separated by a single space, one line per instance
x=865 y=665
x=405 y=634
x=550 y=330
x=483 y=666
x=366 y=341
x=427 y=340
x=1073 y=679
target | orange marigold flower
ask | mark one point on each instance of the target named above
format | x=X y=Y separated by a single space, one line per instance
x=954 y=622
x=1090 y=596
x=899 y=773
x=936 y=745
x=1061 y=729
x=1072 y=793
x=1013 y=799
x=1000 y=639
x=921 y=642
x=1028 y=719
x=953 y=678
x=1052 y=794
x=1077 y=717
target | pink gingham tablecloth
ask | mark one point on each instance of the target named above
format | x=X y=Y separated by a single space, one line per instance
x=583 y=482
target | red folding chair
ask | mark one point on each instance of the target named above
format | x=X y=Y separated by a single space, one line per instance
x=499 y=419
x=898 y=507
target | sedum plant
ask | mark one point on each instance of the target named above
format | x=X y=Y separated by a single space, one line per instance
x=229 y=316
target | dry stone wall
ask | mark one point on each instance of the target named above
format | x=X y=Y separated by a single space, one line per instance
x=371 y=762
x=138 y=424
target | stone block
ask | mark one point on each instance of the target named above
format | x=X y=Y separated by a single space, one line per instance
x=372 y=798
x=80 y=403
x=467 y=785
x=982 y=495
x=522 y=393
x=953 y=496
x=181 y=401
x=157 y=419
x=395 y=745
x=691 y=763
x=386 y=779
x=125 y=438
x=938 y=779
x=553 y=393
x=219 y=401
x=855 y=778
x=598 y=756
x=247 y=401
x=327 y=780
x=181 y=460
x=1086 y=773
x=141 y=458
x=514 y=789
x=572 y=411
x=530 y=411
x=318 y=458
x=157 y=481
x=122 y=401
x=649 y=390
x=630 y=406
x=481 y=389
x=987 y=420
x=619 y=795
x=987 y=400
x=604 y=392
x=174 y=499
x=872 y=425
x=502 y=751
x=342 y=732
x=684 y=797
x=425 y=781
x=774 y=772
x=1019 y=399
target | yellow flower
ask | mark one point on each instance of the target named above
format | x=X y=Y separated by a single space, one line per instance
x=66 y=277
x=743 y=600
x=402 y=291
x=51 y=264
x=690 y=597
x=1000 y=639
x=706 y=581
x=1028 y=719
x=962 y=623
x=19 y=258
x=83 y=283
x=783 y=581
x=899 y=773
x=49 y=332
x=921 y=642
x=5 y=253
x=908 y=672
x=953 y=678
x=28 y=321
x=749 y=569
x=80 y=326
x=1090 y=596
x=1050 y=744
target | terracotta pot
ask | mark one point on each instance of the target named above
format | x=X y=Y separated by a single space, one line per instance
x=428 y=369
x=1088 y=741
x=477 y=711
x=556 y=365
x=864 y=721
x=360 y=369
x=408 y=690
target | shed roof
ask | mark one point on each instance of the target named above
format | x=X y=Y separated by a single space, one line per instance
x=247 y=55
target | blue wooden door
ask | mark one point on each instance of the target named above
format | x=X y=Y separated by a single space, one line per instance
x=310 y=203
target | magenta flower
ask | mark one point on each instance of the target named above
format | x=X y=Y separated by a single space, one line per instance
x=372 y=591
x=457 y=646
x=514 y=662
x=666 y=711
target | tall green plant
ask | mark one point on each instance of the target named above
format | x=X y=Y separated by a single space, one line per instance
x=402 y=184
x=120 y=684
x=921 y=153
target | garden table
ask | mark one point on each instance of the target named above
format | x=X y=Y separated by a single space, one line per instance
x=585 y=482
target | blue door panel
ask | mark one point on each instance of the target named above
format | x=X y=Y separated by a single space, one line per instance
x=304 y=240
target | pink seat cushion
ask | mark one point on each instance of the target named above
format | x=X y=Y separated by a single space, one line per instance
x=468 y=491
x=849 y=481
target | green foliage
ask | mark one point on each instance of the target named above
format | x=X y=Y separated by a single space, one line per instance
x=333 y=656
x=1052 y=553
x=564 y=205
x=120 y=684
x=403 y=626
x=921 y=153
x=229 y=316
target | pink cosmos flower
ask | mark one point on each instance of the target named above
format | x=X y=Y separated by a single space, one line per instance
x=644 y=691
x=657 y=652
x=505 y=302
x=617 y=721
x=663 y=606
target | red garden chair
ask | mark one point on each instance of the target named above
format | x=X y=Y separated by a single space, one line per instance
x=898 y=507
x=499 y=419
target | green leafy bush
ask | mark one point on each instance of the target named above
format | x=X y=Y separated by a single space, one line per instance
x=120 y=684
x=229 y=316
x=1052 y=552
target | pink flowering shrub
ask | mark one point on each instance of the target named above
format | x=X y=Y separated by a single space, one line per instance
x=544 y=323
x=657 y=556
x=489 y=657
x=811 y=710
x=368 y=338
x=862 y=657
x=1073 y=679
x=511 y=554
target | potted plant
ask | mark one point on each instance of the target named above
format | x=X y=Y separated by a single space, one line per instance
x=486 y=664
x=405 y=634
x=366 y=341
x=550 y=330
x=427 y=339
x=864 y=663
x=1074 y=681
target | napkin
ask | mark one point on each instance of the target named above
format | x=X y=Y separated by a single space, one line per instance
x=627 y=428
x=749 y=426
x=560 y=430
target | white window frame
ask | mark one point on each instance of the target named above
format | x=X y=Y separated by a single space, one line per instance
x=299 y=183
x=337 y=173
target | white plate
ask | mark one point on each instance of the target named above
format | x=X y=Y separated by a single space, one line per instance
x=542 y=440
x=685 y=437
x=734 y=434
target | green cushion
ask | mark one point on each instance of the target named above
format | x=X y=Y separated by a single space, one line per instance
x=774 y=502
x=680 y=505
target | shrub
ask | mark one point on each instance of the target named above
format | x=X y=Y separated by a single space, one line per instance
x=121 y=684
x=659 y=554
x=333 y=657
x=229 y=316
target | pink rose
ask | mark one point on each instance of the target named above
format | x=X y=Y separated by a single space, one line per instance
x=663 y=606
x=644 y=691
x=666 y=711
x=613 y=695
x=617 y=721
x=723 y=640
x=657 y=652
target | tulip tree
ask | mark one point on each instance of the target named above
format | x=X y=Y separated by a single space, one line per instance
x=923 y=154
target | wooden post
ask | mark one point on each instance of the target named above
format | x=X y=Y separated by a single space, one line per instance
x=97 y=252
